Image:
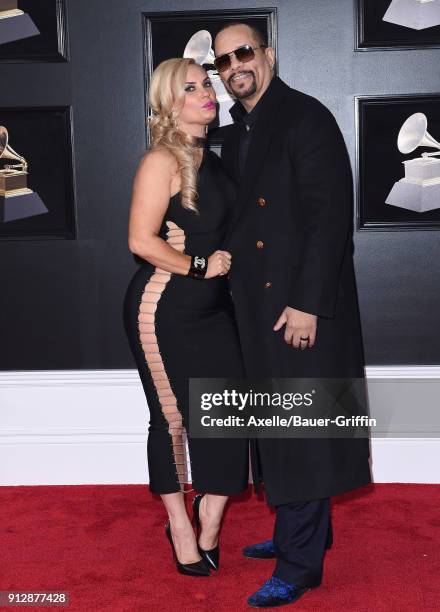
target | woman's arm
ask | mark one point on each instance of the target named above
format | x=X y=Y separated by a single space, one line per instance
x=149 y=203
x=152 y=184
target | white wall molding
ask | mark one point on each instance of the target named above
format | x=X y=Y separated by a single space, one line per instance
x=90 y=427
x=425 y=371
x=131 y=377
x=70 y=377
x=73 y=435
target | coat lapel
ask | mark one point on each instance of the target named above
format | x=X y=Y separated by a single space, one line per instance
x=263 y=131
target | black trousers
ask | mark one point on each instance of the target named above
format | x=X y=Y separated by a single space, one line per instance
x=300 y=537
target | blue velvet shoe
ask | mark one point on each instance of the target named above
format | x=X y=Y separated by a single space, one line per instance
x=265 y=550
x=262 y=550
x=274 y=593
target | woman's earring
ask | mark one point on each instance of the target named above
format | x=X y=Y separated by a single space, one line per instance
x=206 y=129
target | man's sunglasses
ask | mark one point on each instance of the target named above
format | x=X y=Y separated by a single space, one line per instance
x=243 y=54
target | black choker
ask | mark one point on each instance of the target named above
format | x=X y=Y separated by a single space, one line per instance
x=200 y=141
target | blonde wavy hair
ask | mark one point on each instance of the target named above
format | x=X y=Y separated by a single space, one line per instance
x=167 y=96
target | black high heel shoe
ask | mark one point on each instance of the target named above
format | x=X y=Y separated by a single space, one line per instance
x=199 y=568
x=211 y=556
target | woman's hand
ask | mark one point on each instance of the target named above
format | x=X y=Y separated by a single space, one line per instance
x=218 y=264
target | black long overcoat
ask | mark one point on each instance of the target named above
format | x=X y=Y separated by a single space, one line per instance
x=291 y=245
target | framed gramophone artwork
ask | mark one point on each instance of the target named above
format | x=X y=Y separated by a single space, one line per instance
x=397 y=24
x=33 y=31
x=398 y=162
x=37 y=191
x=191 y=34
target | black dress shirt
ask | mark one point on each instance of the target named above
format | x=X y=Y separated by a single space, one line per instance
x=247 y=122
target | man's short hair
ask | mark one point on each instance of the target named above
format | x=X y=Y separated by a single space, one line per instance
x=256 y=33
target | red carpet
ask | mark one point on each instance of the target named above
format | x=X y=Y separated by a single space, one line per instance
x=105 y=545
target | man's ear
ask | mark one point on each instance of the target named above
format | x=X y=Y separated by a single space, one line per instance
x=270 y=54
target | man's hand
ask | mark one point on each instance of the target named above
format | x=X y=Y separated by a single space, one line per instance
x=299 y=325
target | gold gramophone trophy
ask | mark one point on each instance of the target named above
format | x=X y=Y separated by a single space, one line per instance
x=17 y=201
x=14 y=23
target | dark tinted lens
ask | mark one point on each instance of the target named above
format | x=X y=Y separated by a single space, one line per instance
x=244 y=54
x=222 y=62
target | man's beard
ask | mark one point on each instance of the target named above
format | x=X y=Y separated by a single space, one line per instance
x=244 y=93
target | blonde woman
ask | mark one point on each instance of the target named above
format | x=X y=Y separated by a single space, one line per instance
x=178 y=313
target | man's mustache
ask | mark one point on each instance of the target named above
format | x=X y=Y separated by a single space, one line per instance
x=240 y=72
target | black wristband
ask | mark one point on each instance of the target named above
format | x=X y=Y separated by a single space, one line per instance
x=198 y=267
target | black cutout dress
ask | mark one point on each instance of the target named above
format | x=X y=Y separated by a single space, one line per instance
x=180 y=327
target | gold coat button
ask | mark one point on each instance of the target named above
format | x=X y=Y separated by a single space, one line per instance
x=267 y=285
x=260 y=244
x=261 y=202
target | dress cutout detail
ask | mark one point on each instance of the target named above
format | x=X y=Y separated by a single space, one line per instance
x=152 y=293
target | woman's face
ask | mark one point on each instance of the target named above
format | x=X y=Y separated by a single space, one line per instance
x=199 y=104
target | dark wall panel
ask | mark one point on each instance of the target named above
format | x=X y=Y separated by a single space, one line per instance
x=61 y=300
